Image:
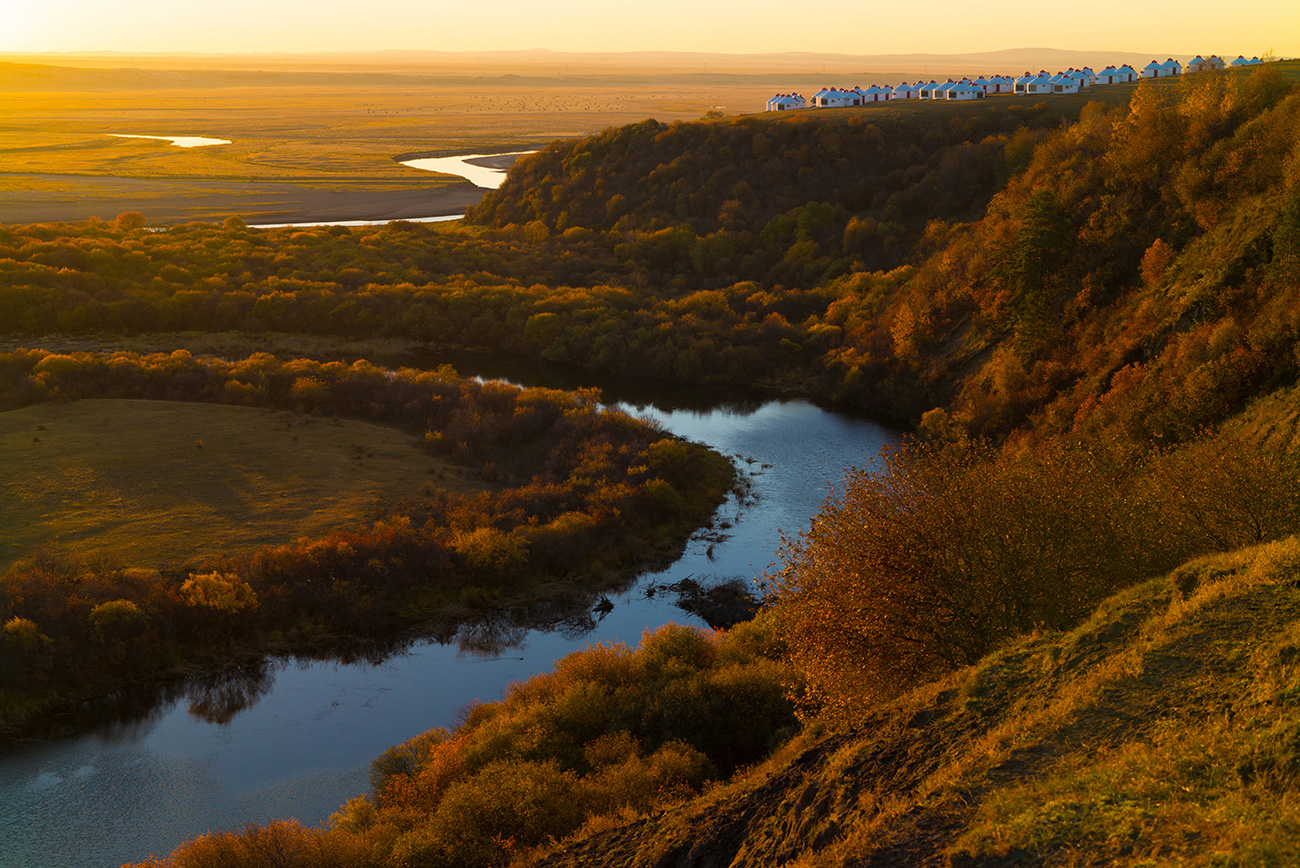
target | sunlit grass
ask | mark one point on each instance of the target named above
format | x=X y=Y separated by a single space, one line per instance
x=140 y=483
x=299 y=150
x=321 y=133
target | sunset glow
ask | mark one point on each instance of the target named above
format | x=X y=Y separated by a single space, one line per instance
x=724 y=26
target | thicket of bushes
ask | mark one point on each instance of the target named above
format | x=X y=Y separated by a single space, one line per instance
x=609 y=734
x=949 y=550
x=580 y=495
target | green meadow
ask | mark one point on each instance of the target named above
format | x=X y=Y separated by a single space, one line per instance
x=150 y=483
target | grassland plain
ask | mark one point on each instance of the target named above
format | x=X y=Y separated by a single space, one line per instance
x=307 y=145
x=302 y=147
x=144 y=483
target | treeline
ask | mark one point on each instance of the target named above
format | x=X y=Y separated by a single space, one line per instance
x=580 y=495
x=609 y=734
x=109 y=278
x=121 y=277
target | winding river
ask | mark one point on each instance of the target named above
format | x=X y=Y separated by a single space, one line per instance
x=163 y=772
x=178 y=141
x=482 y=170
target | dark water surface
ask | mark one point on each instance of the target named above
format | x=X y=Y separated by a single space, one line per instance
x=165 y=772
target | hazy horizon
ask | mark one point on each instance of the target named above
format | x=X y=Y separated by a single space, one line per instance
x=139 y=69
x=707 y=26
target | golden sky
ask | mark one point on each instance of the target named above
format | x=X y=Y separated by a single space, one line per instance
x=725 y=26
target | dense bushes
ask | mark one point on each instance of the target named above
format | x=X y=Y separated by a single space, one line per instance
x=609 y=733
x=949 y=550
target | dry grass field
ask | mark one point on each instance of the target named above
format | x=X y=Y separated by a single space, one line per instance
x=315 y=138
x=302 y=147
x=141 y=483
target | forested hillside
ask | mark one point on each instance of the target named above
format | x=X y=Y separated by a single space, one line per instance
x=1148 y=248
x=787 y=202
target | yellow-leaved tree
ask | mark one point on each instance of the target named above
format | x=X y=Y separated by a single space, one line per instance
x=219 y=591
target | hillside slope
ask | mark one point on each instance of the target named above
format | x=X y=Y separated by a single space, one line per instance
x=1133 y=269
x=1163 y=729
x=737 y=195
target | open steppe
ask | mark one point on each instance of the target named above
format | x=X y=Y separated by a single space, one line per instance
x=320 y=137
x=303 y=147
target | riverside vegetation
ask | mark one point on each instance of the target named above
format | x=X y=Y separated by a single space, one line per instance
x=570 y=495
x=1089 y=317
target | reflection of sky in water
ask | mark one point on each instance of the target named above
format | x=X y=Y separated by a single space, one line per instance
x=178 y=141
x=304 y=748
x=808 y=450
x=488 y=176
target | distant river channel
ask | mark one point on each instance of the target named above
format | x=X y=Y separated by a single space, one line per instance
x=482 y=170
x=178 y=141
x=161 y=772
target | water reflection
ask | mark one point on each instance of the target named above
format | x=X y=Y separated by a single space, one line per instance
x=635 y=392
x=218 y=696
x=178 y=141
x=720 y=602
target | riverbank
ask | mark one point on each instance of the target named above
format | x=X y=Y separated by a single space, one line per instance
x=551 y=515
x=302 y=744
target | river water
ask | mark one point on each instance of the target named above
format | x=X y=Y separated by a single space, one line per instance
x=482 y=170
x=178 y=141
x=162 y=774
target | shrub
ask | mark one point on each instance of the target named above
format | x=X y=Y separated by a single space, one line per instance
x=946 y=551
x=483 y=818
x=1223 y=492
x=951 y=549
x=116 y=620
x=223 y=593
